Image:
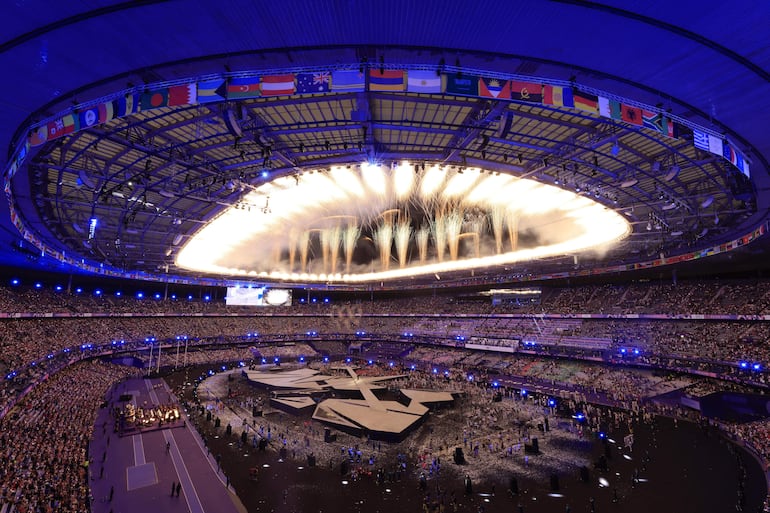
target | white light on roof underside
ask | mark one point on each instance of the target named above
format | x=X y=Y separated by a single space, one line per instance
x=371 y=223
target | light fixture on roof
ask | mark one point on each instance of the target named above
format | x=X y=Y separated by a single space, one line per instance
x=707 y=202
x=673 y=172
x=615 y=148
x=629 y=183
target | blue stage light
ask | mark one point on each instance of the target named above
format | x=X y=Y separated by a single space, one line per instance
x=38 y=285
x=15 y=282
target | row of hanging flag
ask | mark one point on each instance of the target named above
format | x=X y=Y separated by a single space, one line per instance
x=384 y=80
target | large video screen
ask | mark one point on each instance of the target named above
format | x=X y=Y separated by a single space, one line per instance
x=257 y=296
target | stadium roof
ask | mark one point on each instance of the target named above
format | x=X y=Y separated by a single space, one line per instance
x=656 y=111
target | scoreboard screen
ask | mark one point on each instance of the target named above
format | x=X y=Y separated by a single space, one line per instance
x=257 y=296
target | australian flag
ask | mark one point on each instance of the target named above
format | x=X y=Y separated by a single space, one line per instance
x=310 y=83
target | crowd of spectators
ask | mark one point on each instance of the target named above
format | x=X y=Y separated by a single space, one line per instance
x=43 y=330
x=45 y=460
x=32 y=338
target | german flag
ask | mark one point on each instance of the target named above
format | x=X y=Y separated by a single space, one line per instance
x=586 y=101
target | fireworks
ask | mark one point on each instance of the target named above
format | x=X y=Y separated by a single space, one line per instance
x=383 y=238
x=349 y=241
x=402 y=235
x=423 y=215
x=422 y=236
x=498 y=220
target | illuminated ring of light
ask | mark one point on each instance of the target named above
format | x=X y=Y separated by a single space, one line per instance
x=252 y=238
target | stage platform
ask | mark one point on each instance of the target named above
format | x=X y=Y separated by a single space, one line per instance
x=370 y=415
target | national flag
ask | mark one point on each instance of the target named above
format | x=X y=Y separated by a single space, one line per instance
x=586 y=101
x=667 y=127
x=420 y=81
x=154 y=99
x=107 y=111
x=23 y=151
x=387 y=80
x=462 y=84
x=715 y=145
x=745 y=169
x=55 y=129
x=729 y=153
x=89 y=117
x=63 y=126
x=738 y=159
x=494 y=88
x=242 y=88
x=210 y=91
x=11 y=172
x=631 y=114
x=310 y=83
x=700 y=140
x=128 y=104
x=558 y=96
x=186 y=94
x=659 y=122
x=348 y=80
x=71 y=123
x=609 y=108
x=277 y=85
x=38 y=136
x=526 y=92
